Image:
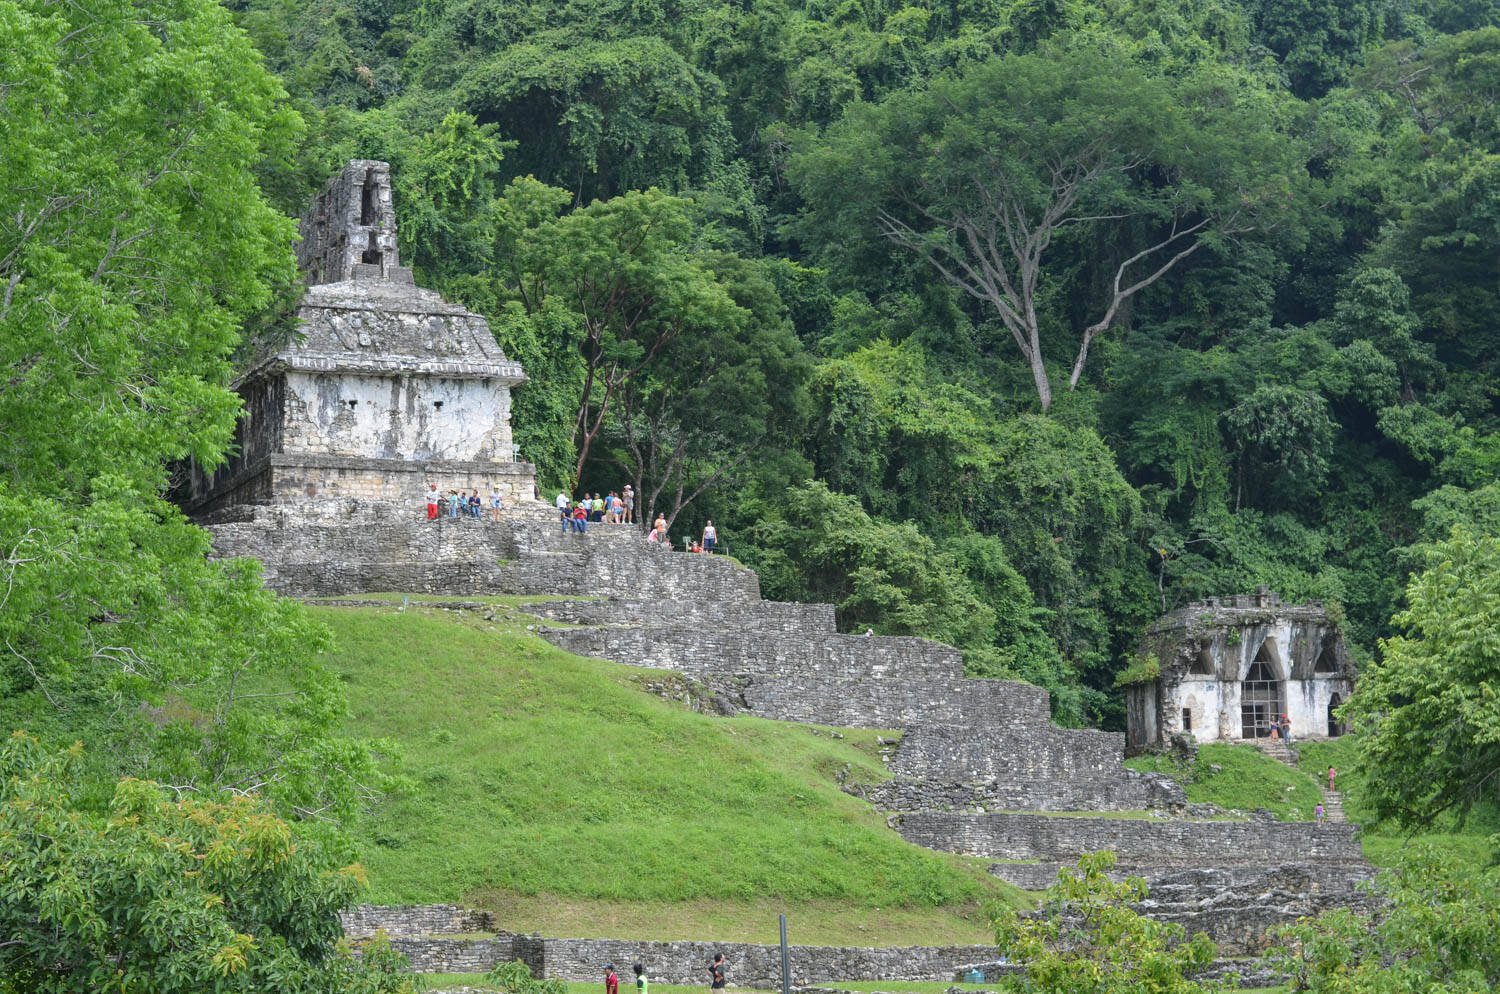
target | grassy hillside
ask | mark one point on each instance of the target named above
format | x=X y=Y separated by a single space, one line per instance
x=554 y=791
x=1241 y=778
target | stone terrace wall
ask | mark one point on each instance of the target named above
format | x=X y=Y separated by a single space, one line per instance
x=803 y=654
x=772 y=616
x=871 y=703
x=1037 y=768
x=411 y=920
x=630 y=574
x=1151 y=841
x=457 y=955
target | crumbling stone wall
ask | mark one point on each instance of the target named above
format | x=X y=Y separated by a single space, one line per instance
x=1152 y=841
x=803 y=654
x=727 y=616
x=351 y=223
x=857 y=702
x=414 y=920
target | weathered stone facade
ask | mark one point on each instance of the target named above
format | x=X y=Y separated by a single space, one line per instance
x=384 y=388
x=1229 y=666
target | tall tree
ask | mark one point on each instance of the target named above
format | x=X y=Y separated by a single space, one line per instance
x=1428 y=711
x=170 y=896
x=625 y=268
x=133 y=244
x=985 y=172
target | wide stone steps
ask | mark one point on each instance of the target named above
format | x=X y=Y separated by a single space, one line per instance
x=870 y=702
x=1333 y=807
x=1146 y=841
x=742 y=616
x=1277 y=750
x=1033 y=766
x=802 y=654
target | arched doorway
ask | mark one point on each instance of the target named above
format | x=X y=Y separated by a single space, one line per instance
x=1260 y=696
x=1335 y=727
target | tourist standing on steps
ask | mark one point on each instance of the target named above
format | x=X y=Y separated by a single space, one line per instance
x=659 y=529
x=1331 y=772
x=710 y=538
x=629 y=505
x=640 y=979
x=1286 y=729
x=432 y=501
x=1318 y=813
x=716 y=981
x=611 y=982
x=496 y=504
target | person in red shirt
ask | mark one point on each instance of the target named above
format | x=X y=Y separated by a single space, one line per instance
x=611 y=982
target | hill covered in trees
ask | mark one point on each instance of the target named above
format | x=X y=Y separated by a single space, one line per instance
x=1011 y=323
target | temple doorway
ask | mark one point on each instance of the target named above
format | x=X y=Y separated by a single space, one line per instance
x=1335 y=727
x=1260 y=696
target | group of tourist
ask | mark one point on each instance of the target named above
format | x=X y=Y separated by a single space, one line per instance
x=717 y=980
x=611 y=509
x=574 y=517
x=456 y=503
x=1280 y=728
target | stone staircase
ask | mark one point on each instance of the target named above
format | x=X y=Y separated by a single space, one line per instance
x=1333 y=807
x=1278 y=750
x=980 y=769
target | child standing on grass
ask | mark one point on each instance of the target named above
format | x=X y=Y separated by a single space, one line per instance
x=640 y=979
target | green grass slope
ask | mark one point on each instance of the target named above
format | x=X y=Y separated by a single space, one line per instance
x=554 y=791
x=1239 y=777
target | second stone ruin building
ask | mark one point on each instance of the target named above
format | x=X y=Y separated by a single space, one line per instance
x=383 y=388
x=1225 y=668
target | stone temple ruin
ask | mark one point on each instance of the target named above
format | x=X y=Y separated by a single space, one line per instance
x=392 y=387
x=1229 y=666
x=385 y=387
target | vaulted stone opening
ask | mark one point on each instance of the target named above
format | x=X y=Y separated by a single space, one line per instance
x=1261 y=695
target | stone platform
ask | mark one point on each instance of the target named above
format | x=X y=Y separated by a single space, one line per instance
x=978 y=760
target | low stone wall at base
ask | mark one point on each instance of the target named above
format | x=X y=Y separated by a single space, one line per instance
x=749 y=965
x=756 y=965
x=413 y=920
x=456 y=955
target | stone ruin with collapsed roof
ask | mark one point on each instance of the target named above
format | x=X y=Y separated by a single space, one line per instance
x=1227 y=668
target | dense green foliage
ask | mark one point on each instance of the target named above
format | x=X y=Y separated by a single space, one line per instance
x=1433 y=933
x=1430 y=708
x=134 y=244
x=166 y=896
x=1093 y=308
x=1093 y=941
